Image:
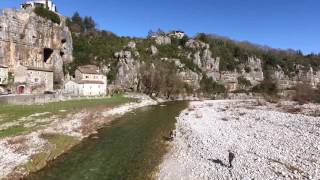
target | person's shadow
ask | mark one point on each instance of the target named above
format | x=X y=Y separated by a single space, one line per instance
x=231 y=157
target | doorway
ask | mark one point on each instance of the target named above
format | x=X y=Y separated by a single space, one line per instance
x=21 y=90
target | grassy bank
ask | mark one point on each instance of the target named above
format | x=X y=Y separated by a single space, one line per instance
x=58 y=144
x=17 y=119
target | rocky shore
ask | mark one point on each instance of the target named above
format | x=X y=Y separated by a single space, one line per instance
x=16 y=152
x=251 y=139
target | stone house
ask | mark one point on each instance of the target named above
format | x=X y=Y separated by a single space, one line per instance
x=40 y=3
x=4 y=72
x=30 y=80
x=88 y=81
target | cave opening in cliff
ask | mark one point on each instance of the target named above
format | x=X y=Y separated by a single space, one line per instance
x=63 y=41
x=47 y=52
x=61 y=53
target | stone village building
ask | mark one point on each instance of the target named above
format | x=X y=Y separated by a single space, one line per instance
x=40 y=3
x=88 y=81
x=33 y=80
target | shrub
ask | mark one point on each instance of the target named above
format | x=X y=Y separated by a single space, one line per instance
x=45 y=13
x=161 y=81
x=243 y=82
x=305 y=93
x=267 y=87
x=209 y=86
x=247 y=69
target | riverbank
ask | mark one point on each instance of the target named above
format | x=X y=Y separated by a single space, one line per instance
x=131 y=147
x=30 y=151
x=232 y=139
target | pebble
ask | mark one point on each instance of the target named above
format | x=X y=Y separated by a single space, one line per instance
x=271 y=140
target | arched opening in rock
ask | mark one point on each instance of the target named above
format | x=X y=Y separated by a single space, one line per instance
x=61 y=53
x=63 y=41
x=47 y=52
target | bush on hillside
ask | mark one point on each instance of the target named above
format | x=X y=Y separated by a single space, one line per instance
x=209 y=86
x=243 y=82
x=162 y=80
x=305 y=93
x=266 y=87
x=47 y=14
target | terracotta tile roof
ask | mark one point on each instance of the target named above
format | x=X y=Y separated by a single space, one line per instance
x=89 y=69
x=90 y=82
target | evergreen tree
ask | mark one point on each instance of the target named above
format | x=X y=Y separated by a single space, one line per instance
x=89 y=23
x=77 y=23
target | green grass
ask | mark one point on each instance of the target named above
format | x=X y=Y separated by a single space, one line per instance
x=58 y=145
x=13 y=131
x=47 y=14
x=12 y=113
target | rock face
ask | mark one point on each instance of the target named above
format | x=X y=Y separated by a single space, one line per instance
x=188 y=76
x=303 y=75
x=154 y=50
x=209 y=65
x=127 y=71
x=163 y=40
x=34 y=42
x=248 y=73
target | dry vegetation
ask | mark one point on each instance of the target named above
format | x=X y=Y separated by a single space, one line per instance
x=305 y=94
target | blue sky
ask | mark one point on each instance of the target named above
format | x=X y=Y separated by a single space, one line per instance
x=276 y=23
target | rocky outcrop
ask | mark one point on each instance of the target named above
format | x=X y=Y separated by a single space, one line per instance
x=154 y=50
x=209 y=65
x=127 y=71
x=203 y=58
x=188 y=76
x=34 y=42
x=248 y=73
x=302 y=75
x=163 y=40
x=252 y=71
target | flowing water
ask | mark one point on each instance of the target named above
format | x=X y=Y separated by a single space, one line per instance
x=130 y=148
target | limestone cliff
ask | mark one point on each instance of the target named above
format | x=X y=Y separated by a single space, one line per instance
x=127 y=71
x=34 y=42
x=250 y=70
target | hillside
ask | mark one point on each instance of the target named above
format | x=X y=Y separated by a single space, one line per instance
x=205 y=64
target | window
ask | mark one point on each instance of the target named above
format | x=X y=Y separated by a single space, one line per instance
x=36 y=80
x=87 y=77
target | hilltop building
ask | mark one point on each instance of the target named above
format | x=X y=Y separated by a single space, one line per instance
x=88 y=81
x=177 y=34
x=40 y=3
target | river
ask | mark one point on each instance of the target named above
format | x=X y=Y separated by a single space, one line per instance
x=131 y=147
